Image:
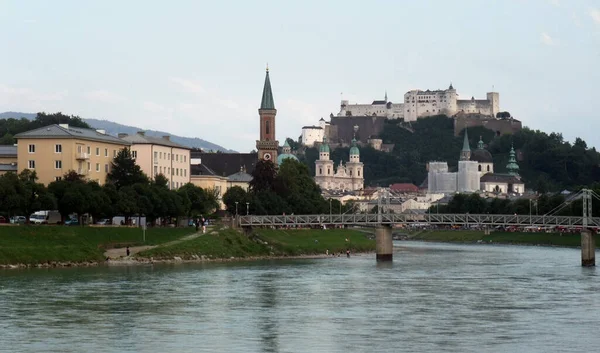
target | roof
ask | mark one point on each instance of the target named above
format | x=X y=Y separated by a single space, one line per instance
x=69 y=132
x=284 y=156
x=466 y=142
x=140 y=139
x=224 y=164
x=8 y=167
x=312 y=127
x=267 y=96
x=201 y=169
x=240 y=176
x=8 y=151
x=404 y=187
x=378 y=102
x=481 y=156
x=500 y=178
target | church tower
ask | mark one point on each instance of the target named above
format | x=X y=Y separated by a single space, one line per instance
x=465 y=154
x=512 y=167
x=324 y=167
x=355 y=168
x=267 y=145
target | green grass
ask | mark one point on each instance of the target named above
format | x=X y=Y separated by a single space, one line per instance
x=41 y=244
x=555 y=239
x=228 y=243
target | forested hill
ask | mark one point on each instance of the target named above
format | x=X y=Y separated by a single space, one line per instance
x=546 y=161
x=12 y=123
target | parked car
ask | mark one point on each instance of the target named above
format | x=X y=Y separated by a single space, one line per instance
x=45 y=217
x=72 y=222
x=104 y=222
x=18 y=219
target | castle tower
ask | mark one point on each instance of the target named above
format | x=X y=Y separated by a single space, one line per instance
x=494 y=99
x=355 y=168
x=267 y=145
x=324 y=167
x=465 y=154
x=450 y=105
x=512 y=167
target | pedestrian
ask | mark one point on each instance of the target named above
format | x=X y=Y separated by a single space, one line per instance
x=203 y=225
x=327 y=252
x=197 y=223
x=127 y=251
x=347 y=253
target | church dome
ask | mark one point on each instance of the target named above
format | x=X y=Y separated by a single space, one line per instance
x=481 y=156
x=284 y=156
x=324 y=146
x=354 y=150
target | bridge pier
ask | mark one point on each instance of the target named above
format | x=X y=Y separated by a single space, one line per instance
x=384 y=246
x=588 y=248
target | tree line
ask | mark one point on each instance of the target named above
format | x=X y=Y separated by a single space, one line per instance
x=12 y=126
x=128 y=192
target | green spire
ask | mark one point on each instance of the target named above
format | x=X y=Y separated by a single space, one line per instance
x=354 y=149
x=465 y=154
x=480 y=143
x=512 y=166
x=267 y=96
x=286 y=144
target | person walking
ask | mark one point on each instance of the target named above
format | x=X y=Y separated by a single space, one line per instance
x=197 y=223
x=127 y=251
x=203 y=225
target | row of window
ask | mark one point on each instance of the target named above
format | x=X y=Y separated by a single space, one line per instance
x=167 y=156
x=58 y=149
x=58 y=165
x=329 y=171
x=167 y=170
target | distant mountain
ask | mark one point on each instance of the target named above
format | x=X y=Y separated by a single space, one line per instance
x=114 y=129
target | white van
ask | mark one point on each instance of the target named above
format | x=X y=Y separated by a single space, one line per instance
x=45 y=217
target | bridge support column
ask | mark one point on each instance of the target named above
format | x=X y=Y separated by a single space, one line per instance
x=384 y=246
x=588 y=248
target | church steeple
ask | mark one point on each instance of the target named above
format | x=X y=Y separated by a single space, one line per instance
x=386 y=96
x=512 y=167
x=267 y=96
x=465 y=153
x=480 y=143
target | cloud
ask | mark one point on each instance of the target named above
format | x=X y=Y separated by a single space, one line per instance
x=103 y=96
x=546 y=39
x=595 y=14
x=187 y=85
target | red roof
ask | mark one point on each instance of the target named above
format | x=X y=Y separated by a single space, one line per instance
x=404 y=187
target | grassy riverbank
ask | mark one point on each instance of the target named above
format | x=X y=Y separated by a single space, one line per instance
x=227 y=243
x=42 y=244
x=548 y=239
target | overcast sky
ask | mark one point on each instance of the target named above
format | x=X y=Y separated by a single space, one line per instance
x=196 y=68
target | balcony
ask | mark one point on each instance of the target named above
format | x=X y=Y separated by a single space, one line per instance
x=82 y=171
x=82 y=155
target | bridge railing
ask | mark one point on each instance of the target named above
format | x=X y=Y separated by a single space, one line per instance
x=422 y=219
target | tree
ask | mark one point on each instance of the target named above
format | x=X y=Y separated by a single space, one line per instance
x=235 y=194
x=124 y=171
x=263 y=176
x=35 y=196
x=201 y=201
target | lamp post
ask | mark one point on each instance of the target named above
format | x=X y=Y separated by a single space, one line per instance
x=247 y=208
x=330 y=209
x=530 y=221
x=236 y=212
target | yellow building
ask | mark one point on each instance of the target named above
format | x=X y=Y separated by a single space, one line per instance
x=206 y=178
x=8 y=159
x=157 y=155
x=52 y=151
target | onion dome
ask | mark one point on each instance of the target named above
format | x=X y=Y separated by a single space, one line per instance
x=324 y=146
x=354 y=149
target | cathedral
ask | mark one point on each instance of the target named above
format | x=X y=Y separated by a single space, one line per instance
x=347 y=177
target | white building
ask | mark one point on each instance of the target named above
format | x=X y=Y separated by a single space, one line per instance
x=312 y=134
x=346 y=178
x=419 y=104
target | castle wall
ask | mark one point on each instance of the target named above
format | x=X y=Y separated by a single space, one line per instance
x=499 y=126
x=312 y=134
x=344 y=128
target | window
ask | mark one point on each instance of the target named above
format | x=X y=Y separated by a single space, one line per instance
x=155 y=169
x=184 y=159
x=106 y=168
x=134 y=154
x=97 y=151
x=160 y=155
x=89 y=166
x=97 y=167
x=57 y=164
x=328 y=171
x=267 y=127
x=114 y=153
x=106 y=152
x=160 y=170
x=31 y=148
x=479 y=168
x=359 y=172
x=31 y=164
x=89 y=150
x=320 y=171
x=177 y=158
x=58 y=148
x=155 y=155
x=177 y=171
x=488 y=168
x=185 y=172
x=57 y=178
x=79 y=148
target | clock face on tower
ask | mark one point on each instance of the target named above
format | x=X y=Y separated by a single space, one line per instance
x=267 y=156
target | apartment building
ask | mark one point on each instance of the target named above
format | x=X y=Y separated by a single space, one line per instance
x=8 y=159
x=156 y=155
x=53 y=150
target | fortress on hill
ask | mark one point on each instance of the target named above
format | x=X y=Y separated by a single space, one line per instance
x=418 y=104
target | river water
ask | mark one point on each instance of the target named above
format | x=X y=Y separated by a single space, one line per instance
x=433 y=298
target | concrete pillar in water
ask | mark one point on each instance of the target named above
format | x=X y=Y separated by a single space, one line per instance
x=588 y=248
x=384 y=246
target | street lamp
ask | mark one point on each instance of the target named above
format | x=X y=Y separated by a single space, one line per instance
x=247 y=208
x=236 y=213
x=530 y=221
x=329 y=208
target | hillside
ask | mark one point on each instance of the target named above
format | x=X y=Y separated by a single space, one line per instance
x=113 y=128
x=546 y=161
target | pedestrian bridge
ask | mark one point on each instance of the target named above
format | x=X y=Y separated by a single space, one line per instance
x=482 y=220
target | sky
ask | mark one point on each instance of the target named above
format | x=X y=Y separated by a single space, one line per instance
x=196 y=68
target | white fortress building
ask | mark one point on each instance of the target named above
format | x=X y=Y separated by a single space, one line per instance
x=419 y=104
x=312 y=134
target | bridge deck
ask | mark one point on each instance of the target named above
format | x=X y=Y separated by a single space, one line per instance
x=432 y=219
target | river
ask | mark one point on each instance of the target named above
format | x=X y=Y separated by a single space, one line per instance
x=433 y=298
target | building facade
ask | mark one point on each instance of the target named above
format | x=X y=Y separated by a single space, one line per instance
x=54 y=150
x=419 y=104
x=268 y=145
x=8 y=159
x=347 y=177
x=160 y=156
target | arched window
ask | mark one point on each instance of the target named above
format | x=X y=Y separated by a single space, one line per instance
x=350 y=172
x=267 y=127
x=488 y=168
x=359 y=172
x=479 y=168
x=320 y=171
x=328 y=171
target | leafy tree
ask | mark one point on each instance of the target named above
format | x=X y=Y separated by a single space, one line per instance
x=235 y=194
x=263 y=176
x=124 y=171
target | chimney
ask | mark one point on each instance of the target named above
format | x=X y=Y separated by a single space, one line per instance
x=167 y=137
x=101 y=131
x=141 y=133
x=122 y=135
